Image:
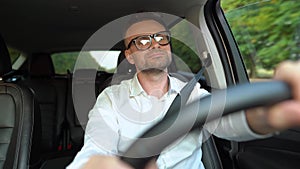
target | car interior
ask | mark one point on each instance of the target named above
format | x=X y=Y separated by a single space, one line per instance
x=45 y=112
x=61 y=133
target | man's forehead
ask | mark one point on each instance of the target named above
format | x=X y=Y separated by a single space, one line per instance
x=144 y=27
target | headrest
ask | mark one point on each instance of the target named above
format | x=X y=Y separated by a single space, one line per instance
x=41 y=65
x=124 y=67
x=83 y=75
x=5 y=62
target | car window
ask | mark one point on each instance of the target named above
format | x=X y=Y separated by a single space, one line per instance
x=17 y=58
x=264 y=43
x=14 y=54
x=103 y=60
x=183 y=47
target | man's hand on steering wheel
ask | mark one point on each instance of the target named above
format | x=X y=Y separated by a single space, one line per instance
x=285 y=114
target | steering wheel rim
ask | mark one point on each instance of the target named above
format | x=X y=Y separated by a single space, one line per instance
x=239 y=97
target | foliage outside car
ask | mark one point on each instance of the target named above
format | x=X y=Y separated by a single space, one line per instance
x=267 y=32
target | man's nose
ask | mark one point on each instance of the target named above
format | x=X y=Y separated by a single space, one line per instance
x=154 y=44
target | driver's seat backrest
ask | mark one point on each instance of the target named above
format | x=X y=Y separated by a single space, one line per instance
x=210 y=155
x=17 y=117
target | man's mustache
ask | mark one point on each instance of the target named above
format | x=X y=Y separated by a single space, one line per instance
x=155 y=52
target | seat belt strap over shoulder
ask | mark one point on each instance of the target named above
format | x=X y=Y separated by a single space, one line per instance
x=188 y=88
x=185 y=92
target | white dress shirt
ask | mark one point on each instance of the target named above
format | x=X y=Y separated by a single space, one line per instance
x=123 y=112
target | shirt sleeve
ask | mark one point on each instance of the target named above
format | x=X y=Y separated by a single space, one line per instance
x=101 y=135
x=231 y=127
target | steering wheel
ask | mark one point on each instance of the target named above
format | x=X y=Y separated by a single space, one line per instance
x=237 y=98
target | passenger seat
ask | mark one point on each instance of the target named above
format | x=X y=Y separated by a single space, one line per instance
x=85 y=88
x=18 y=110
x=51 y=93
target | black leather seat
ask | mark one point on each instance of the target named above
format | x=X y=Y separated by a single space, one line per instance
x=17 y=117
x=51 y=96
x=84 y=87
x=51 y=93
x=81 y=98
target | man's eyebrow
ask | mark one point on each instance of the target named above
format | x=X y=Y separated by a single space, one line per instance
x=145 y=34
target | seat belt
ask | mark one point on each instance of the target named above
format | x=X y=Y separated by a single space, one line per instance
x=185 y=92
x=210 y=160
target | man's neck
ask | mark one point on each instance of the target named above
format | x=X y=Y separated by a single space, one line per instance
x=154 y=82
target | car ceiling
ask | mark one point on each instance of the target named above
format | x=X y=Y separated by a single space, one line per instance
x=61 y=25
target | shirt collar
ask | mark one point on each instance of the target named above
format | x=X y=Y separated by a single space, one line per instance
x=175 y=85
x=137 y=89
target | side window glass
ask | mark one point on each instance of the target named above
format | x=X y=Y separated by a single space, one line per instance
x=14 y=54
x=186 y=59
x=266 y=32
x=106 y=61
x=64 y=62
x=102 y=60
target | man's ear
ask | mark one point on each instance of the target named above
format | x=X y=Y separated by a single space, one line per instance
x=129 y=56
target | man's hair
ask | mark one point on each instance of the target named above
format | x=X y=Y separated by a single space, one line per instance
x=143 y=16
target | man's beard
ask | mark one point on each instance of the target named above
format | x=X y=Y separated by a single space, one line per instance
x=152 y=71
x=156 y=65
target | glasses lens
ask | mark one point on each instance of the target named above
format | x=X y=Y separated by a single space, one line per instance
x=143 y=42
x=162 y=38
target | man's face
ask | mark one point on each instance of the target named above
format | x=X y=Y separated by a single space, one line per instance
x=156 y=56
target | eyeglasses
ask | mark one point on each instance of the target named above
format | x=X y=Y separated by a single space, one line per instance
x=144 y=42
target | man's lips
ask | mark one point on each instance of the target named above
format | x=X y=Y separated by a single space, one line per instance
x=156 y=55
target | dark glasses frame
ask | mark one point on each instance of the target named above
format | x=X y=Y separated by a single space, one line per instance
x=133 y=41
